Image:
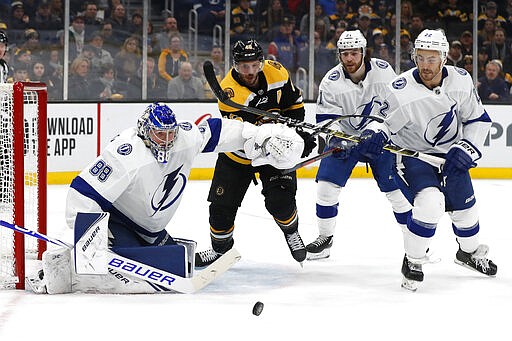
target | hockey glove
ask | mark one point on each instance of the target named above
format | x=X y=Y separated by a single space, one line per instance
x=343 y=147
x=371 y=144
x=309 y=142
x=460 y=158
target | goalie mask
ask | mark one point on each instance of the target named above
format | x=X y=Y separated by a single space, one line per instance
x=159 y=129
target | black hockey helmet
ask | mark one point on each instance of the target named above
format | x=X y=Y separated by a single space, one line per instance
x=3 y=38
x=247 y=50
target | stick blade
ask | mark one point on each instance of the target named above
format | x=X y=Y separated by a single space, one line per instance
x=214 y=270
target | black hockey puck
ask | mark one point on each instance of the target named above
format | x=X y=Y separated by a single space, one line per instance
x=258 y=308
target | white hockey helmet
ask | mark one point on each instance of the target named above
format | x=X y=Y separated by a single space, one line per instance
x=434 y=40
x=352 y=40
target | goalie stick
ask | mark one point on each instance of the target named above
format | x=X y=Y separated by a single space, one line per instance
x=209 y=74
x=147 y=273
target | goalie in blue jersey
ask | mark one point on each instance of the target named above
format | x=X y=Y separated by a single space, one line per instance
x=139 y=180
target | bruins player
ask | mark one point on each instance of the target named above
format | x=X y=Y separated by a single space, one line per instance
x=265 y=85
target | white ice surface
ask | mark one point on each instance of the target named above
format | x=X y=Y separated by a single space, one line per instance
x=353 y=295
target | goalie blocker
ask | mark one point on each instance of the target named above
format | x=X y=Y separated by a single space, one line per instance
x=91 y=267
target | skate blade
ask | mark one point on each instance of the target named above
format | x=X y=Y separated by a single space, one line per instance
x=320 y=255
x=410 y=284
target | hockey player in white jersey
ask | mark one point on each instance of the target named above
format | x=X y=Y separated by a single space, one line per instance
x=356 y=85
x=139 y=179
x=434 y=108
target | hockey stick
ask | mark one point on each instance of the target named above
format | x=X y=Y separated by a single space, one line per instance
x=148 y=273
x=309 y=161
x=209 y=74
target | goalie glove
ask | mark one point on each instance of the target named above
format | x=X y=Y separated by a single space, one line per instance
x=272 y=144
x=460 y=158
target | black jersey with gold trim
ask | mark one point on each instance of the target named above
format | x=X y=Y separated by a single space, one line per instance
x=274 y=92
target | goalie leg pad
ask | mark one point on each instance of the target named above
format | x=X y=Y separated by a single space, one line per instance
x=170 y=258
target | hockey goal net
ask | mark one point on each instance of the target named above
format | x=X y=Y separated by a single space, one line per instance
x=23 y=148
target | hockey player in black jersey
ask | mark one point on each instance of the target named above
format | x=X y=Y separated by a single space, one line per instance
x=263 y=84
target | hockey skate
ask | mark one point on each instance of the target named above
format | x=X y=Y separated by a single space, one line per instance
x=413 y=273
x=296 y=246
x=477 y=260
x=320 y=248
x=36 y=282
x=206 y=257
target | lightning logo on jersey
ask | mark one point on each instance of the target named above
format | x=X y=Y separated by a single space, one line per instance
x=169 y=191
x=442 y=128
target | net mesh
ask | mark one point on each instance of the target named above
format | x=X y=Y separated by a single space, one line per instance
x=8 y=191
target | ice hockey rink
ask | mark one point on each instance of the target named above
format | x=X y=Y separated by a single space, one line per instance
x=353 y=295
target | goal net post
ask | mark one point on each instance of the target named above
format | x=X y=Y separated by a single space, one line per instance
x=23 y=177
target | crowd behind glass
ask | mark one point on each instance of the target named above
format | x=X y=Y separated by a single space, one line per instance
x=105 y=42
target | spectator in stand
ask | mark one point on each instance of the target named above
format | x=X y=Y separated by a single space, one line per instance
x=217 y=59
x=136 y=24
x=406 y=47
x=364 y=24
x=109 y=43
x=467 y=62
x=38 y=74
x=18 y=22
x=102 y=56
x=383 y=51
x=78 y=88
x=319 y=17
x=342 y=14
x=332 y=44
x=211 y=13
x=106 y=87
x=383 y=10
x=270 y=19
x=57 y=8
x=429 y=9
x=23 y=56
x=483 y=59
x=285 y=47
x=20 y=73
x=185 y=85
x=498 y=49
x=329 y=6
x=406 y=15
x=32 y=43
x=47 y=23
x=171 y=58
x=89 y=53
x=120 y=25
x=417 y=26
x=491 y=12
x=91 y=20
x=76 y=36
x=127 y=61
x=455 y=56
x=242 y=21
x=492 y=87
x=55 y=69
x=507 y=12
x=486 y=34
x=156 y=86
x=453 y=13
x=324 y=60
x=466 y=39
x=169 y=28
